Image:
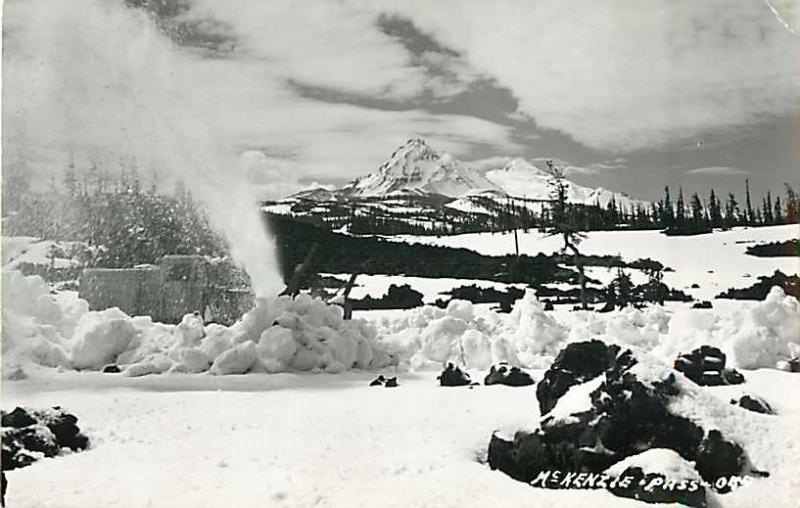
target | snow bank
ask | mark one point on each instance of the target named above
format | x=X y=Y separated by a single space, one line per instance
x=752 y=334
x=306 y=334
x=770 y=332
x=33 y=323
x=428 y=337
x=279 y=334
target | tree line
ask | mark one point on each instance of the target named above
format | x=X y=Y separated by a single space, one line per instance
x=122 y=219
x=433 y=216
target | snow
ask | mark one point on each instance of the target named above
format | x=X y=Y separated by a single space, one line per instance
x=100 y=337
x=715 y=261
x=304 y=333
x=416 y=166
x=37 y=329
x=772 y=333
x=657 y=460
x=327 y=441
x=432 y=289
x=236 y=360
x=18 y=250
x=576 y=400
x=296 y=438
x=429 y=337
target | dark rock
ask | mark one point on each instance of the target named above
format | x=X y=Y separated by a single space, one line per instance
x=391 y=382
x=548 y=305
x=755 y=404
x=577 y=363
x=453 y=376
x=111 y=369
x=502 y=374
x=47 y=432
x=378 y=381
x=732 y=377
x=705 y=304
x=794 y=365
x=706 y=367
x=718 y=458
x=18 y=418
x=695 y=286
x=625 y=415
x=65 y=428
x=653 y=488
x=500 y=455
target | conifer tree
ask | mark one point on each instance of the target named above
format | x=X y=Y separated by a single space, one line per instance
x=731 y=212
x=680 y=212
x=791 y=204
x=749 y=215
x=668 y=213
x=715 y=210
x=777 y=212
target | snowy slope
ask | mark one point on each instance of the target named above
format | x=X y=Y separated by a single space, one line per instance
x=416 y=166
x=716 y=261
x=521 y=178
x=18 y=250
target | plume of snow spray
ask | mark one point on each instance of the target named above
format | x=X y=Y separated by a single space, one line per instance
x=98 y=82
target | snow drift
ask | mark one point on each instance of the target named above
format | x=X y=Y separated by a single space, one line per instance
x=279 y=334
x=306 y=334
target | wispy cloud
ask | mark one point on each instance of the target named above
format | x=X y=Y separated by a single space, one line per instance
x=98 y=78
x=97 y=82
x=718 y=171
x=627 y=75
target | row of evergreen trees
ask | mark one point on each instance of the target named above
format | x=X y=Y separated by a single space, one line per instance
x=700 y=217
x=123 y=223
x=677 y=217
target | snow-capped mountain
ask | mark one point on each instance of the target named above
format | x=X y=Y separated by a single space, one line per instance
x=419 y=190
x=416 y=166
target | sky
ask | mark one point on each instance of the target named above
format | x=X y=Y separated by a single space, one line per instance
x=637 y=95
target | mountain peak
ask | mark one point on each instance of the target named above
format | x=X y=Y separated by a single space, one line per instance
x=416 y=166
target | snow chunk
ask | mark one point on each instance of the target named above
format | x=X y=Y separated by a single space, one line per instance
x=461 y=309
x=190 y=330
x=770 y=334
x=100 y=337
x=237 y=360
x=276 y=348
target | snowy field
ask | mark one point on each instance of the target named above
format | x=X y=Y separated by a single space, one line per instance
x=305 y=440
x=715 y=261
x=432 y=289
x=302 y=427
